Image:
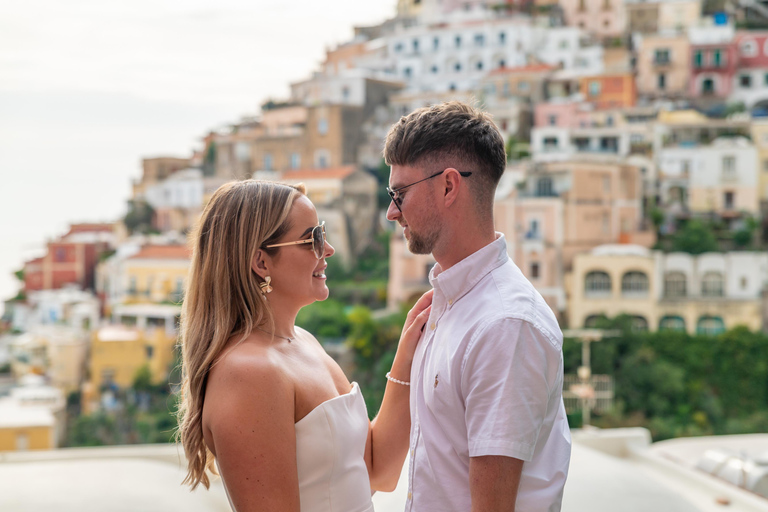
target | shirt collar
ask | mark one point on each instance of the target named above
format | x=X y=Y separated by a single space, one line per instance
x=456 y=281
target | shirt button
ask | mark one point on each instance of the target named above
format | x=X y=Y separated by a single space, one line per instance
x=433 y=326
x=450 y=302
x=411 y=453
x=410 y=496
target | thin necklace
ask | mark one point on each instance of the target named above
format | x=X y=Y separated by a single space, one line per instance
x=273 y=334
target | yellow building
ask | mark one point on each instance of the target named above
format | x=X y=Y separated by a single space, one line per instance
x=703 y=294
x=26 y=427
x=759 y=129
x=155 y=274
x=118 y=352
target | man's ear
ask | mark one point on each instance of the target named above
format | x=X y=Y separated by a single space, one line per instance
x=452 y=185
x=259 y=263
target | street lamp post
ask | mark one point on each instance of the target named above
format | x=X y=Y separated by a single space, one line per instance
x=585 y=390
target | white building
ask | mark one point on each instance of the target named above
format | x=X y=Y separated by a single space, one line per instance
x=557 y=143
x=720 y=177
x=182 y=189
x=455 y=56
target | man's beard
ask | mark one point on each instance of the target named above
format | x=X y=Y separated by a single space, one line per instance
x=422 y=243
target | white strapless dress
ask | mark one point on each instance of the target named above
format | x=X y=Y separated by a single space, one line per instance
x=330 y=451
x=330 y=456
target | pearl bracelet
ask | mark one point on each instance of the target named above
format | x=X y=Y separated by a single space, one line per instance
x=397 y=381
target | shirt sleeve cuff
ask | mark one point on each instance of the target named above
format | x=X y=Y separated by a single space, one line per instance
x=499 y=447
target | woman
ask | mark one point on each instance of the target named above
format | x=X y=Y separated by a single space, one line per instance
x=261 y=397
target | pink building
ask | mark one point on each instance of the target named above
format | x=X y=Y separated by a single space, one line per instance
x=563 y=114
x=750 y=82
x=713 y=67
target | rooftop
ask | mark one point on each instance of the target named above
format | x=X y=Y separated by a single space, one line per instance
x=319 y=174
x=531 y=68
x=167 y=252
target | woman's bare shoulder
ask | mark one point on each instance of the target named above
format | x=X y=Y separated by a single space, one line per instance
x=246 y=367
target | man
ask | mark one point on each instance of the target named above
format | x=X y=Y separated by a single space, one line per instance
x=488 y=426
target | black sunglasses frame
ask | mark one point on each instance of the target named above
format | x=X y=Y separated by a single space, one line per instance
x=393 y=192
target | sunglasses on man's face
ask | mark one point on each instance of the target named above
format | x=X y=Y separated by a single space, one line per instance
x=317 y=240
x=394 y=193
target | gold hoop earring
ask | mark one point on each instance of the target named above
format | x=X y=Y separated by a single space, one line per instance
x=265 y=286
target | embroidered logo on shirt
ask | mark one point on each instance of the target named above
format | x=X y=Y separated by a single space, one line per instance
x=437 y=379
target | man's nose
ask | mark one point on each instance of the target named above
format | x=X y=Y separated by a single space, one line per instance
x=392 y=212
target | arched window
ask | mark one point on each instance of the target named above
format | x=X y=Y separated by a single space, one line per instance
x=675 y=285
x=748 y=48
x=672 y=323
x=712 y=284
x=597 y=284
x=710 y=325
x=593 y=321
x=639 y=323
x=634 y=284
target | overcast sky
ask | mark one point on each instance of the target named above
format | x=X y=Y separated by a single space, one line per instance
x=88 y=88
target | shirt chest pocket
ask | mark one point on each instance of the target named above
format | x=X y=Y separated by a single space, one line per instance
x=440 y=385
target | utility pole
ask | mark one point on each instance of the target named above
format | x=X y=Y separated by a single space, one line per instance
x=585 y=390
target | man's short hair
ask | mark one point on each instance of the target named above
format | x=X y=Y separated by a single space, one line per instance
x=451 y=134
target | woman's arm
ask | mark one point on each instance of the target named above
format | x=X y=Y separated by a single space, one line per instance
x=250 y=412
x=387 y=443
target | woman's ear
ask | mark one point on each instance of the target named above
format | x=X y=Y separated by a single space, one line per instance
x=259 y=263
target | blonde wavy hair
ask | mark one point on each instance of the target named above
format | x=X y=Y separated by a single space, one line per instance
x=223 y=298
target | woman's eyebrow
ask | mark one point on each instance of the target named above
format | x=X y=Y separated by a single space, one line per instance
x=307 y=231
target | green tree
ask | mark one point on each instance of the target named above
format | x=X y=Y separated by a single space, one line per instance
x=517 y=149
x=695 y=237
x=142 y=381
x=139 y=217
x=326 y=319
x=209 y=160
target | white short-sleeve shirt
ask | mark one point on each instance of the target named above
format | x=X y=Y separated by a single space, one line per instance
x=487 y=379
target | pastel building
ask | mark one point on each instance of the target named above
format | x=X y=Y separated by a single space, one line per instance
x=609 y=91
x=456 y=54
x=720 y=177
x=759 y=133
x=714 y=63
x=557 y=144
x=146 y=337
x=603 y=18
x=71 y=259
x=508 y=94
x=147 y=274
x=650 y=17
x=750 y=82
x=177 y=200
x=704 y=294
x=663 y=65
x=25 y=428
x=54 y=351
x=157 y=169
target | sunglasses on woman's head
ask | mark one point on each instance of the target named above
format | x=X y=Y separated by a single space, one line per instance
x=317 y=240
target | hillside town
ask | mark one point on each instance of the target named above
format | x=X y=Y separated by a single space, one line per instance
x=636 y=188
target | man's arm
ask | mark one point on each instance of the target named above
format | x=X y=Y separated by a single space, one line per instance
x=493 y=482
